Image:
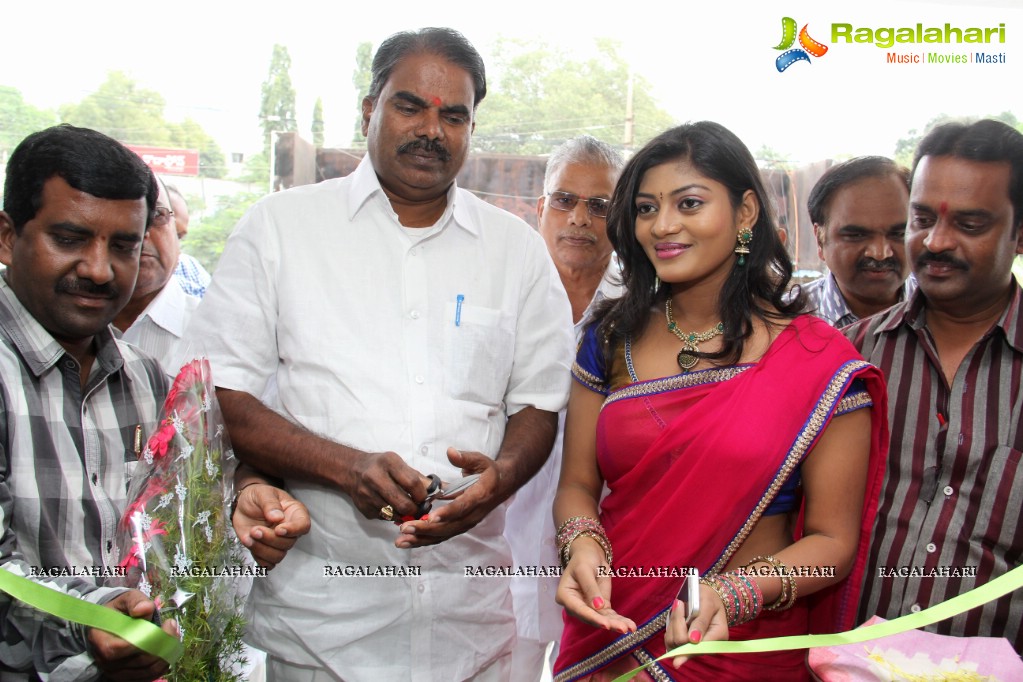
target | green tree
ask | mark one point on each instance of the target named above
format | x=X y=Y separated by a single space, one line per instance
x=190 y=135
x=361 y=79
x=18 y=119
x=317 y=127
x=134 y=115
x=277 y=107
x=206 y=240
x=772 y=158
x=540 y=97
x=122 y=110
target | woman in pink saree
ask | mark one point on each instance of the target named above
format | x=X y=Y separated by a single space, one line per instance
x=734 y=435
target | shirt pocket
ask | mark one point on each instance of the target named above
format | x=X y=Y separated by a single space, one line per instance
x=478 y=353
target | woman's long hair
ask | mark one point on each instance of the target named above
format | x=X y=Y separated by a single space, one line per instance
x=756 y=288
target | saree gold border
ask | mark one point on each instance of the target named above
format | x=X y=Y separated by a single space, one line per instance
x=654 y=669
x=613 y=650
x=813 y=427
x=810 y=431
x=678 y=381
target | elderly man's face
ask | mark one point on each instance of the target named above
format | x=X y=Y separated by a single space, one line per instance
x=962 y=234
x=181 y=218
x=863 y=241
x=419 y=127
x=74 y=264
x=577 y=239
x=160 y=250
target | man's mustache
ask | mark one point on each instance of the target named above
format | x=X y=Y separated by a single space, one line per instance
x=87 y=287
x=426 y=147
x=942 y=258
x=874 y=265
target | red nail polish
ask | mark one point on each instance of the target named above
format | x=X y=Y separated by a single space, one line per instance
x=695 y=636
x=678 y=603
x=598 y=603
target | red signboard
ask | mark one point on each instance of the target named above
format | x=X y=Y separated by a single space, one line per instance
x=169 y=161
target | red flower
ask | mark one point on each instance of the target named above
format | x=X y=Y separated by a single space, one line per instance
x=160 y=441
x=190 y=377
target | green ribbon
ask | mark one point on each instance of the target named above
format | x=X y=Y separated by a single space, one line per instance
x=141 y=633
x=1000 y=586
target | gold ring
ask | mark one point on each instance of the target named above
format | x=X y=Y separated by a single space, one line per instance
x=387 y=512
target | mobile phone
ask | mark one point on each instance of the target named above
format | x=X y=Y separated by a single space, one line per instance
x=689 y=595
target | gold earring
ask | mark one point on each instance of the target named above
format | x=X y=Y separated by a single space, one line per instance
x=744 y=237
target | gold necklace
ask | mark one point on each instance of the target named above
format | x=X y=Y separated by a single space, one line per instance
x=687 y=357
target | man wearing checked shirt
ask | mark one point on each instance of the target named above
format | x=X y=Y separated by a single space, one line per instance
x=74 y=400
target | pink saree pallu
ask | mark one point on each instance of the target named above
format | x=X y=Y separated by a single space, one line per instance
x=692 y=461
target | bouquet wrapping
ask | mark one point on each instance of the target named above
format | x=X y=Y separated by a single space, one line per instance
x=175 y=537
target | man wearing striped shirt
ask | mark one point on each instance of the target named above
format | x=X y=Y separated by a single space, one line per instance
x=951 y=512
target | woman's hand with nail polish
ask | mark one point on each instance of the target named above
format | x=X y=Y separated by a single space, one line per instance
x=711 y=623
x=585 y=592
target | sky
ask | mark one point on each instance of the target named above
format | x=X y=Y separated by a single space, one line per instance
x=715 y=61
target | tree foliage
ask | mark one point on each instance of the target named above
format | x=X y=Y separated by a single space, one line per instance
x=277 y=106
x=134 y=115
x=317 y=127
x=122 y=110
x=190 y=135
x=206 y=240
x=361 y=79
x=539 y=97
x=19 y=119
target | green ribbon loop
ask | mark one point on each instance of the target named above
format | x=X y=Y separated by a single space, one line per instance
x=141 y=633
x=1000 y=586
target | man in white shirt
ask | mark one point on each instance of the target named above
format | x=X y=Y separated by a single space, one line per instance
x=578 y=183
x=155 y=317
x=412 y=329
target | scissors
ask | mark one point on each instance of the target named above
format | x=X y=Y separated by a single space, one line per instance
x=437 y=490
x=689 y=595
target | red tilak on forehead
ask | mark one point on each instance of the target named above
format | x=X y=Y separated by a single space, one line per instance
x=435 y=100
x=943 y=208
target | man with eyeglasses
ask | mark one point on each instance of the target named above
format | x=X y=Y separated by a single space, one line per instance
x=155 y=317
x=578 y=183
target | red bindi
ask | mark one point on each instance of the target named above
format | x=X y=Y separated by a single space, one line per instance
x=435 y=100
x=943 y=208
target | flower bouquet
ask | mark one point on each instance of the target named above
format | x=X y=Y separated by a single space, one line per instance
x=175 y=536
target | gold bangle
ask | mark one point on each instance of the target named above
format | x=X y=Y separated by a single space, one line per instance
x=787 y=597
x=598 y=536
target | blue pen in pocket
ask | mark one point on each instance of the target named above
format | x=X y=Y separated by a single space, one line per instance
x=458 y=309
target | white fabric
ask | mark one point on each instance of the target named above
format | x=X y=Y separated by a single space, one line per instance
x=529 y=527
x=322 y=289
x=160 y=328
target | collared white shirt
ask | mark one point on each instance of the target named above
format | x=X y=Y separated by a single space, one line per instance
x=530 y=529
x=160 y=328
x=387 y=343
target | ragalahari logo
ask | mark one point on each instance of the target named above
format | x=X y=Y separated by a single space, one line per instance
x=788 y=37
